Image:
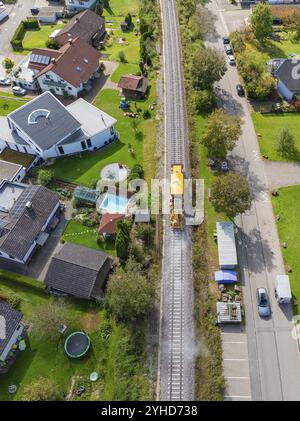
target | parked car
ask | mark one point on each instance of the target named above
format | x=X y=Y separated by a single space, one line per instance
x=240 y=90
x=226 y=40
x=17 y=90
x=231 y=59
x=5 y=81
x=263 y=302
x=228 y=49
x=276 y=108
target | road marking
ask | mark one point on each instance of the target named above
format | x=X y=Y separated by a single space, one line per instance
x=236 y=377
x=235 y=359
x=238 y=396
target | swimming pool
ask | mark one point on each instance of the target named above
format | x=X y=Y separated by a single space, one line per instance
x=114 y=204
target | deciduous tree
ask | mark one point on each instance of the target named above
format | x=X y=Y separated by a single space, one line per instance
x=221 y=133
x=208 y=67
x=230 y=194
x=261 y=21
x=286 y=143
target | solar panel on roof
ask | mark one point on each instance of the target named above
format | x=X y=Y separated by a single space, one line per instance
x=25 y=197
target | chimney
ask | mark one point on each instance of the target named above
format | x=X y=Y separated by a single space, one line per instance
x=53 y=60
x=28 y=205
x=70 y=40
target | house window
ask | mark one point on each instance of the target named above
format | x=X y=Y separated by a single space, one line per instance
x=25 y=149
x=61 y=150
x=83 y=145
x=89 y=143
x=17 y=148
x=112 y=130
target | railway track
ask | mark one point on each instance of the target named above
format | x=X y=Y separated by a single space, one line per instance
x=177 y=339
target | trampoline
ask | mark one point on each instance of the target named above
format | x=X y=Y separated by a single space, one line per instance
x=77 y=344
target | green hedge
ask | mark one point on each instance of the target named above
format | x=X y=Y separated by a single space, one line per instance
x=17 y=39
x=15 y=278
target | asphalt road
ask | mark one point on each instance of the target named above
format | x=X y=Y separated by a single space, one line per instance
x=273 y=355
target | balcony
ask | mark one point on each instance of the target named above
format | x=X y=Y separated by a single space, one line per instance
x=49 y=82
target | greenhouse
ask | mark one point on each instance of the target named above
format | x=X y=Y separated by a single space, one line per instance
x=84 y=194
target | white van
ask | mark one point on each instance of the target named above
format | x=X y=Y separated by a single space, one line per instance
x=282 y=289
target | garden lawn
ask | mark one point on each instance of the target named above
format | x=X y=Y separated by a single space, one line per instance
x=267 y=128
x=37 y=38
x=8 y=105
x=87 y=168
x=124 y=68
x=112 y=46
x=77 y=233
x=43 y=358
x=287 y=205
x=121 y=8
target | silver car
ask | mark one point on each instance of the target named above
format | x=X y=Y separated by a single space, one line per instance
x=231 y=59
x=17 y=90
x=5 y=81
x=263 y=302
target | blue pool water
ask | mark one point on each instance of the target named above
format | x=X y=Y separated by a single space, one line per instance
x=114 y=204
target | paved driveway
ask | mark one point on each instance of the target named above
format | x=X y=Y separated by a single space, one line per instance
x=282 y=174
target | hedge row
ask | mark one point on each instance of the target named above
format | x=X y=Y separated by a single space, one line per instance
x=17 y=39
x=21 y=280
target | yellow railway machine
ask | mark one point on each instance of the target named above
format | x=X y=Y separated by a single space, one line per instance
x=177 y=195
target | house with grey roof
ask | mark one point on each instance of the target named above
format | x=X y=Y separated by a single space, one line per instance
x=11 y=332
x=44 y=127
x=287 y=73
x=26 y=215
x=78 y=5
x=78 y=271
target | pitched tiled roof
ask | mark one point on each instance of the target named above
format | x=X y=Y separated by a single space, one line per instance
x=84 y=25
x=28 y=224
x=78 y=270
x=77 y=62
x=133 y=83
x=12 y=319
x=108 y=224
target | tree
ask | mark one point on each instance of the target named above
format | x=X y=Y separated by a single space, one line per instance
x=201 y=23
x=48 y=318
x=203 y=101
x=99 y=8
x=122 y=57
x=221 y=133
x=45 y=177
x=286 y=143
x=42 y=390
x=123 y=240
x=208 y=67
x=261 y=21
x=128 y=19
x=51 y=43
x=130 y=296
x=230 y=194
x=145 y=232
x=8 y=63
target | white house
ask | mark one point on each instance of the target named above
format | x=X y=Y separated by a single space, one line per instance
x=67 y=71
x=78 y=5
x=11 y=331
x=287 y=74
x=27 y=212
x=46 y=128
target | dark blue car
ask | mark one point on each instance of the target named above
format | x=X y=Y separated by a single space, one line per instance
x=226 y=40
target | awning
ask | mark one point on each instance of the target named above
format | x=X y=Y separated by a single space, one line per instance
x=225 y=276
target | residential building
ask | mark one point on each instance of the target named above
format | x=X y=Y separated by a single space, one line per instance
x=133 y=87
x=109 y=224
x=67 y=71
x=78 y=271
x=86 y=25
x=26 y=215
x=12 y=331
x=287 y=73
x=11 y=171
x=46 y=128
x=78 y=5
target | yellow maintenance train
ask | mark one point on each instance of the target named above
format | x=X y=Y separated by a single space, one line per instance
x=176 y=197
